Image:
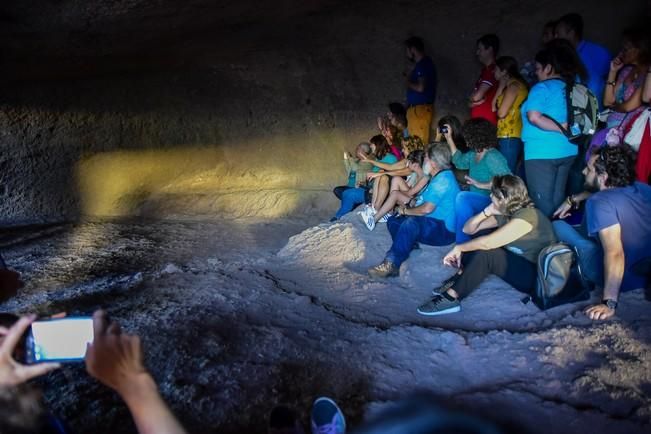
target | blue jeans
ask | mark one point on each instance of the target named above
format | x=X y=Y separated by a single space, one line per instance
x=467 y=204
x=407 y=231
x=511 y=148
x=591 y=254
x=350 y=198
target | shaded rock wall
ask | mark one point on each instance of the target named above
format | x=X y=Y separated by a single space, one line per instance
x=228 y=112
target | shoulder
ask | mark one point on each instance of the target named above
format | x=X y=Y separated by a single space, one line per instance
x=530 y=215
x=487 y=74
x=597 y=48
x=444 y=179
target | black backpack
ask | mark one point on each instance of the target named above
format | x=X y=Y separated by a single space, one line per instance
x=582 y=111
x=560 y=280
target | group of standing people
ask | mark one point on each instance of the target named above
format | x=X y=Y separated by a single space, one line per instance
x=492 y=184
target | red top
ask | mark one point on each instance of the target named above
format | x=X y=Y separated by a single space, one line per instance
x=485 y=110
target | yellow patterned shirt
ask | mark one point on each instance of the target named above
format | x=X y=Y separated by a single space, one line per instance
x=511 y=124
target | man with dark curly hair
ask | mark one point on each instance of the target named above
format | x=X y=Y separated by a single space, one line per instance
x=615 y=241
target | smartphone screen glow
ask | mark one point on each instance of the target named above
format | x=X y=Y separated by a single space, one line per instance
x=63 y=339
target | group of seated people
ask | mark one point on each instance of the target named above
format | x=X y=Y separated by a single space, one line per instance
x=492 y=185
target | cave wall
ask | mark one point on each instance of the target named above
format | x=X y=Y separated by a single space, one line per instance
x=245 y=119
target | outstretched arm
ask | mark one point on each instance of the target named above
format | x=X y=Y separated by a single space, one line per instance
x=611 y=240
x=393 y=166
x=115 y=359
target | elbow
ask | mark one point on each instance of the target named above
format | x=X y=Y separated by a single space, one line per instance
x=533 y=117
x=483 y=244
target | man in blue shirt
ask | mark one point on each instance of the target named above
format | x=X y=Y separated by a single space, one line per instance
x=618 y=231
x=595 y=58
x=431 y=221
x=421 y=89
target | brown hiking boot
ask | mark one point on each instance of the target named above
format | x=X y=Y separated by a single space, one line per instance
x=385 y=269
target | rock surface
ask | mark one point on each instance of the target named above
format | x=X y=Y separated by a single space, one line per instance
x=236 y=320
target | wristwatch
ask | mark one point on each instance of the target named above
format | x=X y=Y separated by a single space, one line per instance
x=612 y=304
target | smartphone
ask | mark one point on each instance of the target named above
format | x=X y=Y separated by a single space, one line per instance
x=59 y=340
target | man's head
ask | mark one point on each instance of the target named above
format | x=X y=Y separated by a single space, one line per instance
x=610 y=167
x=363 y=149
x=437 y=158
x=570 y=28
x=548 y=32
x=487 y=48
x=415 y=48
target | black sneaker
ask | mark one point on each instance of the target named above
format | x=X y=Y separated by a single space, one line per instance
x=440 y=305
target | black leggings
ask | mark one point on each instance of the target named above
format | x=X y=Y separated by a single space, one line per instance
x=513 y=269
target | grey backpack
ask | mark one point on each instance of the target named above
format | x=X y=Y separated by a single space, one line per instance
x=582 y=111
x=559 y=278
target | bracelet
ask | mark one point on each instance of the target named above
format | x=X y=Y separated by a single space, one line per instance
x=612 y=83
x=483 y=211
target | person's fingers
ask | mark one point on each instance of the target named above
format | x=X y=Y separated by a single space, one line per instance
x=100 y=322
x=114 y=329
x=33 y=371
x=3 y=330
x=15 y=333
x=136 y=348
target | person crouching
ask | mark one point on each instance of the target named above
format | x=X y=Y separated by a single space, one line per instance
x=431 y=221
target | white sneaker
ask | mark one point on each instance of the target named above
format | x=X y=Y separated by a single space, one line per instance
x=370 y=222
x=385 y=218
x=364 y=210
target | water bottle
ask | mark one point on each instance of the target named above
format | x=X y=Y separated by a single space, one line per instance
x=352 y=178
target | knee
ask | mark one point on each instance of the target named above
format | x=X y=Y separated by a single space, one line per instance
x=460 y=199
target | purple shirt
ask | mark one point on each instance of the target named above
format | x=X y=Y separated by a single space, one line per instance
x=630 y=207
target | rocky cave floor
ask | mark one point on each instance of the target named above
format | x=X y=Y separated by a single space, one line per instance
x=236 y=319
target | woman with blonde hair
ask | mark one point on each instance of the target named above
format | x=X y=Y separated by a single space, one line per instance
x=509 y=252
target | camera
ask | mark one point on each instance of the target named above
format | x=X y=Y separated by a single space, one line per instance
x=443 y=130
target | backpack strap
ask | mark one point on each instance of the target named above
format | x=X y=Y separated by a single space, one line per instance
x=568 y=104
x=564 y=130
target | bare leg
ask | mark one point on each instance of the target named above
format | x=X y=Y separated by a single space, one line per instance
x=394 y=198
x=398 y=183
x=375 y=191
x=382 y=191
